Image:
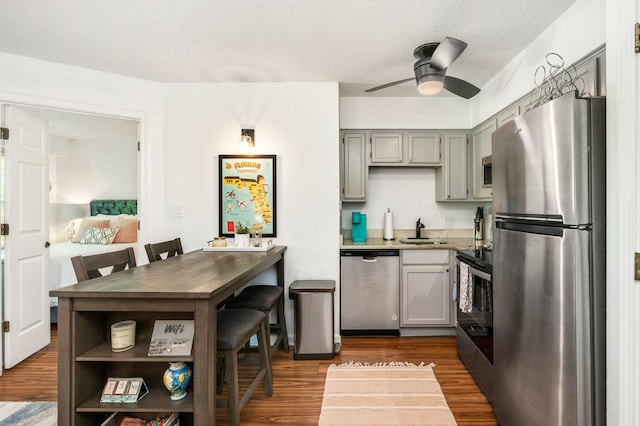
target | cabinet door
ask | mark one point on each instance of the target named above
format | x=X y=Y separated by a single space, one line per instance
x=425 y=296
x=481 y=147
x=506 y=115
x=451 y=178
x=424 y=148
x=386 y=147
x=354 y=167
x=587 y=72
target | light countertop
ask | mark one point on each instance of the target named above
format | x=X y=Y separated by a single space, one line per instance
x=447 y=244
x=447 y=240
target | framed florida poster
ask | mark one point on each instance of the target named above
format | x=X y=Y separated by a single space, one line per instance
x=247 y=193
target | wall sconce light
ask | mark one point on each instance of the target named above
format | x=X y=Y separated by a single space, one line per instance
x=247 y=138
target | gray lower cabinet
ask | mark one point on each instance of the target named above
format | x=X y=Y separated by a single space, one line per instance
x=425 y=289
x=353 y=166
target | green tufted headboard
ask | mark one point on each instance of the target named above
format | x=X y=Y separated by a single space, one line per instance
x=113 y=207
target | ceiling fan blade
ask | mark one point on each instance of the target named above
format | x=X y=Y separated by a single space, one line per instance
x=460 y=87
x=384 y=86
x=447 y=51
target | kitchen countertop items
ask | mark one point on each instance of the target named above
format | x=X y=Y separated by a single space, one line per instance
x=388 y=226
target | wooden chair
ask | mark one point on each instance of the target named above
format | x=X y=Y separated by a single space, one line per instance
x=168 y=248
x=88 y=267
x=235 y=328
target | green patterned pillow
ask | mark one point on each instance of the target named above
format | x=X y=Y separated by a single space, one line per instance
x=99 y=236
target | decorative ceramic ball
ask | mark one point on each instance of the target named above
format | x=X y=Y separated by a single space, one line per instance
x=176 y=378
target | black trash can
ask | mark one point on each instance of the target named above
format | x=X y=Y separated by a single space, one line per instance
x=313 y=307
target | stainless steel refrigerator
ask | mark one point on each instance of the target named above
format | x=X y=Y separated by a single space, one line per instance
x=549 y=265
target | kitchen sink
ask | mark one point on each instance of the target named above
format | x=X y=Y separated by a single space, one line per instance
x=422 y=241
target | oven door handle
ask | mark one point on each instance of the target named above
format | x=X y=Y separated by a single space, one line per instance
x=479 y=273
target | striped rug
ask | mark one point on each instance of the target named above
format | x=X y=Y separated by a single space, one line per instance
x=28 y=413
x=383 y=394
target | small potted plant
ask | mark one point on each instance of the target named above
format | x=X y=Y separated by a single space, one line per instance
x=242 y=237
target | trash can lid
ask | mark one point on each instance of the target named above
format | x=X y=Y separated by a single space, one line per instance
x=312 y=286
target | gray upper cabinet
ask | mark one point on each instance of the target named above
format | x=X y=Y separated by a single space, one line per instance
x=353 y=166
x=405 y=148
x=386 y=148
x=507 y=114
x=481 y=147
x=587 y=72
x=423 y=148
x=451 y=178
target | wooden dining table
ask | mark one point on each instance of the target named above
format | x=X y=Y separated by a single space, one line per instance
x=189 y=286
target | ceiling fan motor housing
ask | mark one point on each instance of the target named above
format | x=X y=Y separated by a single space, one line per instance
x=423 y=67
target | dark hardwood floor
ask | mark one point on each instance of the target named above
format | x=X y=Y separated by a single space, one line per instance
x=298 y=384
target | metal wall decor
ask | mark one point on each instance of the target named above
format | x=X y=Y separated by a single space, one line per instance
x=555 y=80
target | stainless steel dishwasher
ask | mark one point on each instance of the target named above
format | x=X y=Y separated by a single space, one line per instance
x=369 y=292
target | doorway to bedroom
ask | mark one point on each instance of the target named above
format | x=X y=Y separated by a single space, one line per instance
x=81 y=157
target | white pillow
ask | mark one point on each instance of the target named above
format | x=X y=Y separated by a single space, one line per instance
x=99 y=236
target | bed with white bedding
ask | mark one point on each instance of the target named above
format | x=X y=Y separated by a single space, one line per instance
x=112 y=226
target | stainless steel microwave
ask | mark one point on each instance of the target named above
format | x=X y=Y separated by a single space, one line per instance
x=486 y=171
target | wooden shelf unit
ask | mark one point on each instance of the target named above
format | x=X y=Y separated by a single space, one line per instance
x=189 y=286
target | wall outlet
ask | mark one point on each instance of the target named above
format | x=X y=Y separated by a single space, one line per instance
x=179 y=210
x=449 y=222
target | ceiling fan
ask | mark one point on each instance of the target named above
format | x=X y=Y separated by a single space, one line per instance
x=431 y=69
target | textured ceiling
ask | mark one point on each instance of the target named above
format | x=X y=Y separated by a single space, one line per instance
x=358 y=43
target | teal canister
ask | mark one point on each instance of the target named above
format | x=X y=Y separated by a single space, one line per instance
x=358 y=227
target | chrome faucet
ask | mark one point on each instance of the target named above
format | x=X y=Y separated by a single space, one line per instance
x=419 y=226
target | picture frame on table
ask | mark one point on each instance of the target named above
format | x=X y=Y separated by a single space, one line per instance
x=247 y=193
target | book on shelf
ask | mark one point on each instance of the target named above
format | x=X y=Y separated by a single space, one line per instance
x=120 y=419
x=124 y=390
x=171 y=338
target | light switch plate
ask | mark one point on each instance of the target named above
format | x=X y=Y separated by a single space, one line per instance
x=637 y=267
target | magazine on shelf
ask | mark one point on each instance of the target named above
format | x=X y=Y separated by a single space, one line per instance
x=171 y=338
x=124 y=390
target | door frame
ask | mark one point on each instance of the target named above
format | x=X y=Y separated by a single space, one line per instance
x=144 y=155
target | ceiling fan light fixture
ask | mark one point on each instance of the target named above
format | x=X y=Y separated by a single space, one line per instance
x=430 y=84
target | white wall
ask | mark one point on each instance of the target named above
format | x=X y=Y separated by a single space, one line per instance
x=96 y=170
x=405 y=113
x=298 y=122
x=410 y=194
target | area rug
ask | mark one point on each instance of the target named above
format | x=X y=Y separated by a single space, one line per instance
x=28 y=413
x=383 y=394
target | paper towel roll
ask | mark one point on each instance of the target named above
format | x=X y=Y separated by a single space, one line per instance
x=388 y=226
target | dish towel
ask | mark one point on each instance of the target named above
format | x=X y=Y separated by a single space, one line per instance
x=466 y=289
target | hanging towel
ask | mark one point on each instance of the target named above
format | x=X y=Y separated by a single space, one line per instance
x=466 y=289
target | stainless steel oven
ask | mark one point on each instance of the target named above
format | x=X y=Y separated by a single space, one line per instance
x=475 y=315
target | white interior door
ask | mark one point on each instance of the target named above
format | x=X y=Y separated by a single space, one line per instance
x=25 y=290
